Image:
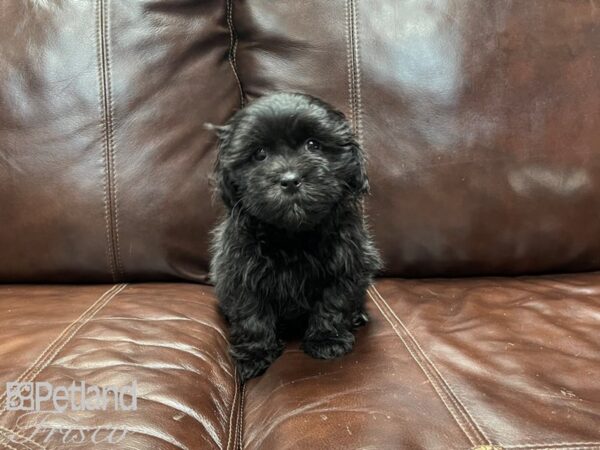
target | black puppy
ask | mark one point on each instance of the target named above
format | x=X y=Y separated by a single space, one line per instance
x=292 y=251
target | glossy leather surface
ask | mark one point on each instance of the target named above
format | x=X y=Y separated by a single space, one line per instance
x=480 y=119
x=481 y=122
x=168 y=338
x=453 y=364
x=104 y=159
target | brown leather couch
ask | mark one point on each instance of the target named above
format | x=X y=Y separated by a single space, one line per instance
x=481 y=120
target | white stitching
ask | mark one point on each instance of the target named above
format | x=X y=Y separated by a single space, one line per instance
x=98 y=6
x=233 y=403
x=473 y=440
x=233 y=50
x=349 y=63
x=7 y=445
x=43 y=355
x=111 y=138
x=433 y=366
x=354 y=80
x=6 y=431
x=451 y=393
x=50 y=356
x=107 y=128
x=560 y=445
x=539 y=446
x=74 y=332
x=353 y=68
x=357 y=74
x=240 y=422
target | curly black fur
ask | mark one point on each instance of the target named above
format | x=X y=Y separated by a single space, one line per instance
x=298 y=259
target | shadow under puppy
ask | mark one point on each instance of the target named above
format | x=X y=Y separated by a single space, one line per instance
x=292 y=251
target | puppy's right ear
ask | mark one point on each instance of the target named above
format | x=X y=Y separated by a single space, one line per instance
x=225 y=186
x=219 y=130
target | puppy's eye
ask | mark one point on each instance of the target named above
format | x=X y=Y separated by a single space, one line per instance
x=260 y=154
x=313 y=145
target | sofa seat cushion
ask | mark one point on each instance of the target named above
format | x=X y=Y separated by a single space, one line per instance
x=488 y=363
x=167 y=338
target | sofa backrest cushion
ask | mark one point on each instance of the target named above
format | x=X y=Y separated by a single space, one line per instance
x=480 y=119
x=104 y=159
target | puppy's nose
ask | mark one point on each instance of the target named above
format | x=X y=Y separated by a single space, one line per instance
x=290 y=181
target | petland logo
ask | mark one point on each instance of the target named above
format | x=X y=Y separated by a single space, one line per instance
x=79 y=396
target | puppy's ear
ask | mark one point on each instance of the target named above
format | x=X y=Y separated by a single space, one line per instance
x=225 y=186
x=359 y=181
x=219 y=130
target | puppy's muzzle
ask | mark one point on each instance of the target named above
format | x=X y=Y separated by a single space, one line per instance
x=290 y=182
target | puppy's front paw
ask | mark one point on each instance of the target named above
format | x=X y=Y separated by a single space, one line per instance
x=252 y=359
x=250 y=368
x=329 y=347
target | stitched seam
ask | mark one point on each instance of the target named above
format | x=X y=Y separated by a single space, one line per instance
x=30 y=374
x=561 y=445
x=594 y=447
x=537 y=446
x=349 y=63
x=8 y=435
x=55 y=342
x=111 y=140
x=240 y=422
x=354 y=79
x=233 y=42
x=105 y=178
x=233 y=404
x=433 y=366
x=356 y=74
x=50 y=357
x=555 y=447
x=74 y=332
x=441 y=394
x=106 y=124
x=6 y=432
x=5 y=444
x=453 y=398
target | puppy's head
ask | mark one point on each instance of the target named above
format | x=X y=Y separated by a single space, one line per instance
x=287 y=159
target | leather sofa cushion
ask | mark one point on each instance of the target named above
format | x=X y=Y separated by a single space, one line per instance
x=453 y=364
x=104 y=159
x=479 y=118
x=168 y=338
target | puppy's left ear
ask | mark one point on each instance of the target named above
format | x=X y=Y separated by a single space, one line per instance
x=225 y=186
x=359 y=181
